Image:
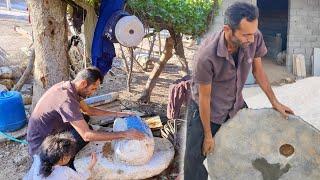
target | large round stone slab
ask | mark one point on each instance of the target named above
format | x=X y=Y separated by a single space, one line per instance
x=108 y=168
x=261 y=144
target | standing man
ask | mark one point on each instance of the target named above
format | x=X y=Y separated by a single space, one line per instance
x=60 y=109
x=220 y=70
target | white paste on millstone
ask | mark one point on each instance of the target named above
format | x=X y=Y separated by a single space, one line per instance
x=133 y=152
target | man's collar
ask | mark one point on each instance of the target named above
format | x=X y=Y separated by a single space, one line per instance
x=222 y=50
x=73 y=89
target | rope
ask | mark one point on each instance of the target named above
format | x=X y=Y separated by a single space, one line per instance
x=13 y=138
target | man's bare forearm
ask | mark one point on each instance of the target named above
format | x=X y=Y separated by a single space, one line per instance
x=204 y=108
x=103 y=136
x=99 y=112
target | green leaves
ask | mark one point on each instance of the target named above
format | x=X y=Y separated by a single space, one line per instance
x=186 y=16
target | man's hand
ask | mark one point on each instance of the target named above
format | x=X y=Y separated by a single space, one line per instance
x=93 y=161
x=284 y=110
x=208 y=145
x=134 y=134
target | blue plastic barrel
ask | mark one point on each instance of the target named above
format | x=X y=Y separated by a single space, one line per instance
x=12 y=113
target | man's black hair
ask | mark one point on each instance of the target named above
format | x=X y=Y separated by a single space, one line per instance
x=90 y=74
x=239 y=10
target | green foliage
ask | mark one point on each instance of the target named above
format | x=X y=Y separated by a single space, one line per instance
x=185 y=16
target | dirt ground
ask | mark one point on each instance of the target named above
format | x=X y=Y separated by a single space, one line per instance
x=14 y=158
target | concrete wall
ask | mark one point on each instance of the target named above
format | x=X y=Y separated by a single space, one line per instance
x=303 y=30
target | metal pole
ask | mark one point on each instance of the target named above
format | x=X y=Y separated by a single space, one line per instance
x=8 y=5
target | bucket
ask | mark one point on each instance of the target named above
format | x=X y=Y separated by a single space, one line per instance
x=12 y=113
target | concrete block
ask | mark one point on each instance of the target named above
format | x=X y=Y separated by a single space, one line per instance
x=313 y=2
x=295 y=44
x=306 y=44
x=309 y=52
x=316 y=31
x=316 y=62
x=313 y=13
x=294 y=64
x=299 y=31
x=316 y=44
x=299 y=50
x=298 y=4
x=312 y=65
x=302 y=67
x=295 y=18
x=310 y=38
x=316 y=19
x=299 y=67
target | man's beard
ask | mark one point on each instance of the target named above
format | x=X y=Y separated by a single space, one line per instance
x=83 y=94
x=237 y=43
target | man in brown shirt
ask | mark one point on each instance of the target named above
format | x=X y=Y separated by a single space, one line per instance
x=220 y=69
x=60 y=109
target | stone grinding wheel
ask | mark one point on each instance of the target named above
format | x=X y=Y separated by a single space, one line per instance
x=129 y=31
x=261 y=144
x=108 y=168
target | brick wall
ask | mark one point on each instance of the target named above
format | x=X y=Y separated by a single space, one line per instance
x=303 y=30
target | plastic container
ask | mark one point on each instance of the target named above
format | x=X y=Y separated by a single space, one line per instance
x=12 y=113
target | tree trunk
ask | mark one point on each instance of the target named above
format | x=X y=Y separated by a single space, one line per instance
x=178 y=46
x=166 y=55
x=130 y=72
x=49 y=27
x=150 y=50
x=26 y=73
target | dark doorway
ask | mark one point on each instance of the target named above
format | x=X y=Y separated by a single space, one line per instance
x=273 y=23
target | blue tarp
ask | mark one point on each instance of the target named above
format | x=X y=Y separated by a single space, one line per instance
x=103 y=49
x=135 y=122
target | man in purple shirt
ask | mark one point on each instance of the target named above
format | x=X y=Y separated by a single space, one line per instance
x=220 y=70
x=61 y=109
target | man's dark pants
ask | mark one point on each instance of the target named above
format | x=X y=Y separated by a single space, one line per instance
x=80 y=142
x=193 y=158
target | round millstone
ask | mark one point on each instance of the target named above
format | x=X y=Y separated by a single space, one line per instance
x=108 y=168
x=261 y=144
